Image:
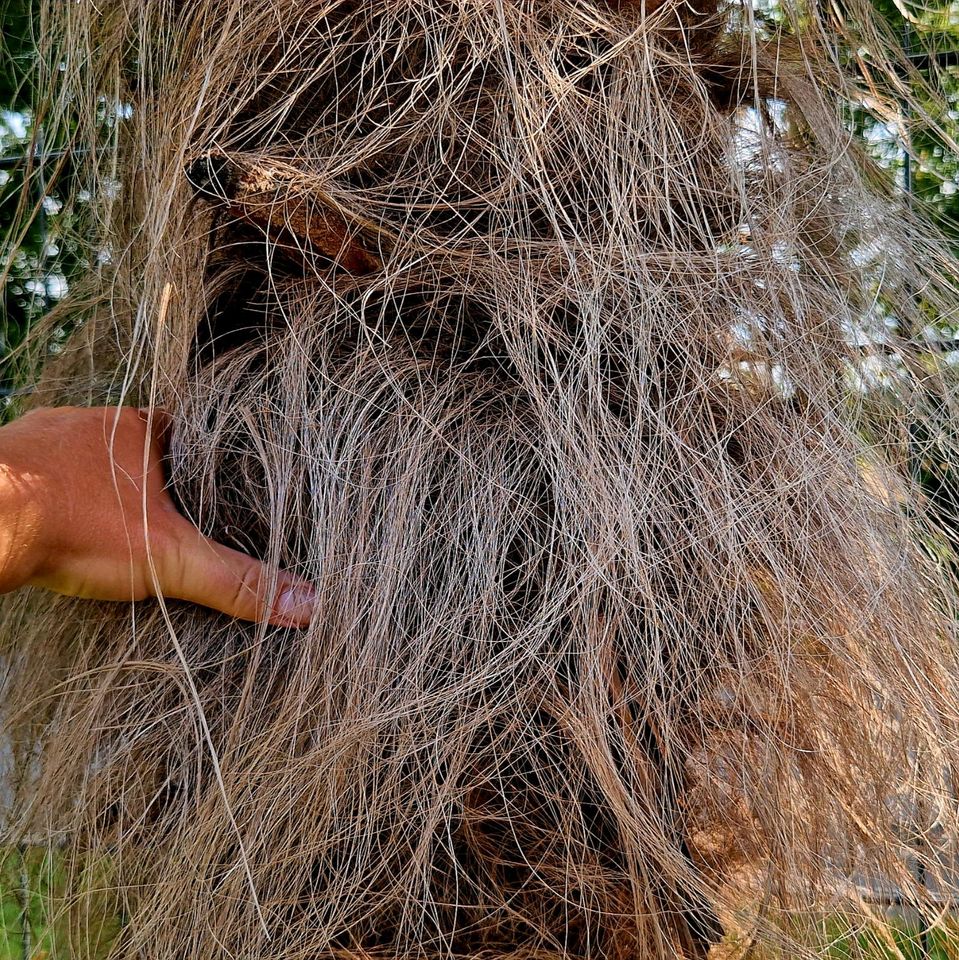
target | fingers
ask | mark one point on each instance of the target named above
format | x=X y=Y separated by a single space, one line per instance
x=202 y=571
x=159 y=419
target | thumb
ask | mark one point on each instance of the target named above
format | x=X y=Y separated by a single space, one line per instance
x=203 y=571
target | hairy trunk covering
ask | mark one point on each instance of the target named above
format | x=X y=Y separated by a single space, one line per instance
x=535 y=335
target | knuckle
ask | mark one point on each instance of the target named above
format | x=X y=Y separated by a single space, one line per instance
x=248 y=590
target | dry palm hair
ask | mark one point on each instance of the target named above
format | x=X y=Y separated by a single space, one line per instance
x=568 y=349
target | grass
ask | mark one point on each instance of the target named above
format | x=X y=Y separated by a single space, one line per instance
x=37 y=922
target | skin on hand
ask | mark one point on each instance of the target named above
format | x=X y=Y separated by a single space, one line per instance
x=73 y=495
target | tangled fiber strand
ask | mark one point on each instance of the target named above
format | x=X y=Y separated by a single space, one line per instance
x=533 y=335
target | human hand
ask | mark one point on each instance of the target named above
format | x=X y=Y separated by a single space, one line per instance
x=84 y=512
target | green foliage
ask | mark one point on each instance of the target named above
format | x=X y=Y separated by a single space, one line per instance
x=39 y=922
x=23 y=238
x=897 y=940
x=39 y=251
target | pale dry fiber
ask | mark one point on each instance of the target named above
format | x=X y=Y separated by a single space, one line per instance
x=529 y=333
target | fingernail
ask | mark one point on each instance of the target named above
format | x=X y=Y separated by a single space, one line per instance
x=296 y=603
